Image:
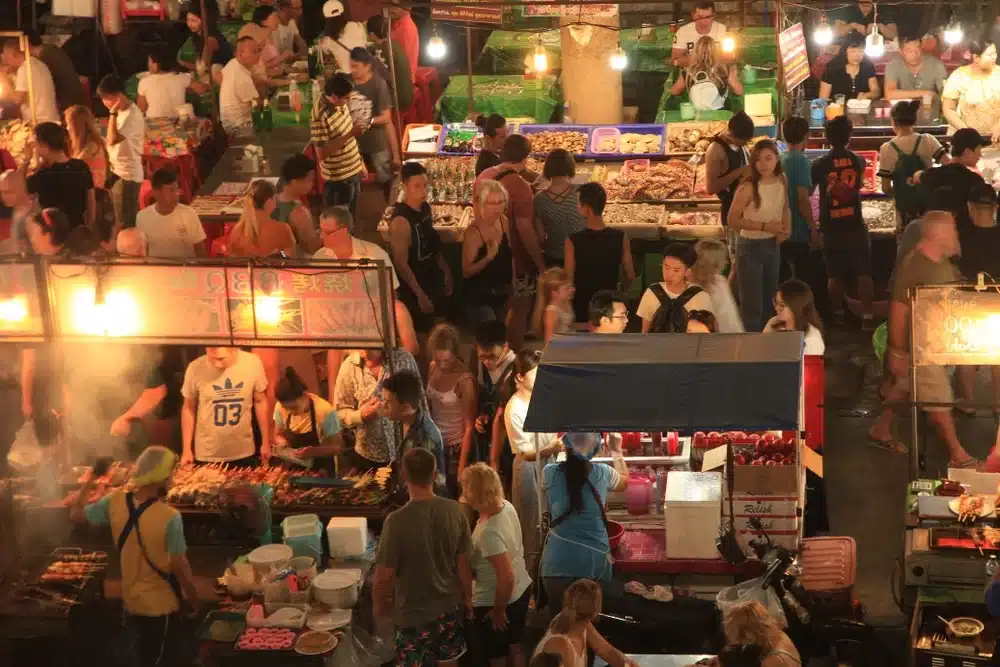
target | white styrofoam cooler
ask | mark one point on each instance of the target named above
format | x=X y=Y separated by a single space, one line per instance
x=347 y=536
x=692 y=509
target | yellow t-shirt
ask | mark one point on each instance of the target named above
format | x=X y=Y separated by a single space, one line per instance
x=326 y=419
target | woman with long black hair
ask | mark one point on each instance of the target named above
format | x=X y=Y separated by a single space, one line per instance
x=306 y=423
x=577 y=546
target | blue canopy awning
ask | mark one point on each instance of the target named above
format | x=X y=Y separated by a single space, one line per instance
x=668 y=382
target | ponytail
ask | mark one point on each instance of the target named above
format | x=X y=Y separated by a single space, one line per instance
x=255 y=199
x=291 y=387
x=577 y=470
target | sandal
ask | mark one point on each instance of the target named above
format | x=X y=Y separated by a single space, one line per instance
x=890 y=445
x=968 y=464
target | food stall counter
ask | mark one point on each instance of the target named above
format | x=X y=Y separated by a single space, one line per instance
x=643 y=551
x=511 y=96
x=874 y=128
x=661 y=660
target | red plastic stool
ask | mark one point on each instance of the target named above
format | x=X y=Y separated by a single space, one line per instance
x=426 y=80
x=411 y=116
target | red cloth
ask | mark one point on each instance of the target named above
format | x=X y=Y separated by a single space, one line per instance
x=7 y=161
x=813 y=389
x=404 y=33
x=186 y=167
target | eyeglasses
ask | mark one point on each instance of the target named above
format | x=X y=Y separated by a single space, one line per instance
x=622 y=316
x=489 y=358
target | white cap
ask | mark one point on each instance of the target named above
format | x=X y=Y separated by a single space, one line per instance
x=332 y=8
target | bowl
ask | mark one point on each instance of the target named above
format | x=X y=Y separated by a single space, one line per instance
x=269 y=557
x=616 y=532
x=965 y=627
x=337 y=588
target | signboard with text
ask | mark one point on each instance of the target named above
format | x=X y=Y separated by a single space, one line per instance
x=572 y=11
x=467 y=13
x=955 y=326
x=794 y=58
x=20 y=311
x=339 y=305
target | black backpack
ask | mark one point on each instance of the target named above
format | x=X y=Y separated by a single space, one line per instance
x=911 y=200
x=671 y=317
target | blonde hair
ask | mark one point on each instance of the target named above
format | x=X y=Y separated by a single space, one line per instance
x=550 y=281
x=581 y=604
x=256 y=197
x=712 y=260
x=490 y=187
x=703 y=60
x=481 y=486
x=750 y=623
x=444 y=336
x=81 y=126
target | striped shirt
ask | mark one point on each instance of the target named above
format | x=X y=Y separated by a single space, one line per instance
x=330 y=123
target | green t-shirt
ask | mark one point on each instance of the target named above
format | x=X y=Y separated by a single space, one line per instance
x=401 y=67
x=917 y=270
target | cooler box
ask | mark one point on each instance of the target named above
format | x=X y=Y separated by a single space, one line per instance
x=304 y=534
x=692 y=509
x=348 y=536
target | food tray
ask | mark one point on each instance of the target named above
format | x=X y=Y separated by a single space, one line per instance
x=204 y=632
x=434 y=146
x=476 y=142
x=290 y=649
x=677 y=133
x=623 y=134
x=529 y=130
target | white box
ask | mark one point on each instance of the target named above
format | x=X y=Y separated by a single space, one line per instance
x=692 y=514
x=347 y=536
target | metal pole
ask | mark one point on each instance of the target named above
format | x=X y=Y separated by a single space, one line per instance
x=26 y=49
x=468 y=66
x=914 y=406
x=392 y=84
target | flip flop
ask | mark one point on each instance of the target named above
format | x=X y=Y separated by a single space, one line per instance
x=968 y=412
x=968 y=464
x=891 y=445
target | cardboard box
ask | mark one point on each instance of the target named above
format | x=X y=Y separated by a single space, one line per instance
x=765 y=480
x=774 y=525
x=786 y=540
x=762 y=507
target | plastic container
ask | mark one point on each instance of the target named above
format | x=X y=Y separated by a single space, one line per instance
x=337 y=588
x=304 y=534
x=347 y=536
x=647 y=130
x=277 y=596
x=605 y=135
x=616 y=532
x=529 y=130
x=304 y=567
x=638 y=494
x=236 y=622
x=269 y=557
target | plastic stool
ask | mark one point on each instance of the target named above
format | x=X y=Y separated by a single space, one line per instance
x=427 y=81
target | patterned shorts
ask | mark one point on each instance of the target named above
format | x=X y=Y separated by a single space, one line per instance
x=525 y=285
x=440 y=640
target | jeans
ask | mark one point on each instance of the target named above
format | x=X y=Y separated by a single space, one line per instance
x=125 y=200
x=157 y=640
x=343 y=193
x=757 y=265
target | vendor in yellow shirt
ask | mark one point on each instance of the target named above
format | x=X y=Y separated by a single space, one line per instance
x=156 y=574
x=305 y=422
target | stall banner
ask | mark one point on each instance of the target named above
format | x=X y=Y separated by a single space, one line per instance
x=335 y=306
x=20 y=313
x=955 y=326
x=572 y=11
x=467 y=13
x=794 y=59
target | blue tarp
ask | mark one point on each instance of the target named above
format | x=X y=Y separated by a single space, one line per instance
x=668 y=382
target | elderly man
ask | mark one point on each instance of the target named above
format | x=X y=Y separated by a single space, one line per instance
x=929 y=263
x=239 y=93
x=914 y=74
x=15 y=196
x=149 y=534
x=16 y=62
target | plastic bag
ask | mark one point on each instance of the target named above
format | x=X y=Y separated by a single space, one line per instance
x=25 y=453
x=751 y=590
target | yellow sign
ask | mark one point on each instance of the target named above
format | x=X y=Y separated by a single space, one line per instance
x=954 y=326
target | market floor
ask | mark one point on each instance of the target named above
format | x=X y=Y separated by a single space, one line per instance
x=866 y=486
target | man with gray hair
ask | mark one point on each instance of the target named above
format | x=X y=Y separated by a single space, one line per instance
x=929 y=263
x=131 y=242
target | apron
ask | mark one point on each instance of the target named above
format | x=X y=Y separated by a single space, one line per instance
x=133 y=524
x=311 y=439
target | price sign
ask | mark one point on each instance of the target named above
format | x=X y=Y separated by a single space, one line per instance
x=794 y=59
x=954 y=326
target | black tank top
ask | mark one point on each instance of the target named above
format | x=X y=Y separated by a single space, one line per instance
x=497 y=277
x=424 y=243
x=737 y=158
x=597 y=255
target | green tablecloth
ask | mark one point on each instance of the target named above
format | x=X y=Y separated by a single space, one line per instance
x=230 y=30
x=287 y=118
x=506 y=50
x=669 y=109
x=511 y=96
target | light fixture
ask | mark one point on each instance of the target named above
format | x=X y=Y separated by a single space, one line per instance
x=436 y=48
x=14 y=310
x=953 y=33
x=874 y=43
x=619 y=60
x=823 y=34
x=728 y=44
x=267 y=309
x=116 y=314
x=541 y=58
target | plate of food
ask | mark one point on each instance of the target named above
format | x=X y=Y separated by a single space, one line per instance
x=315 y=642
x=972 y=507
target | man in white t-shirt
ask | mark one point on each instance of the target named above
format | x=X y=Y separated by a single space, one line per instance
x=220 y=390
x=677 y=260
x=286 y=37
x=172 y=229
x=702 y=24
x=126 y=136
x=239 y=92
x=42 y=88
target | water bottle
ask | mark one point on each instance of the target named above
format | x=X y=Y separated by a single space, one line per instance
x=267 y=117
x=992 y=566
x=257 y=116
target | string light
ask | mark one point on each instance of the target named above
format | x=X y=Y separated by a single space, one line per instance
x=541 y=59
x=823 y=34
x=436 y=48
x=619 y=60
x=728 y=44
x=953 y=33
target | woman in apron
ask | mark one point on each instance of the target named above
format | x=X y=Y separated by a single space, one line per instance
x=306 y=428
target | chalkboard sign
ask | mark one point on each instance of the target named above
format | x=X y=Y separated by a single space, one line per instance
x=955 y=326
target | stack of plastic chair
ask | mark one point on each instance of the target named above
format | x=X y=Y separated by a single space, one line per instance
x=427 y=85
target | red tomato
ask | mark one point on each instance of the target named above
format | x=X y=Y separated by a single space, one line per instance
x=771 y=462
x=759 y=461
x=739 y=459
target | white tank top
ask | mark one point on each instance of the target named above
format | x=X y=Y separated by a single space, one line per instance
x=446 y=411
x=773 y=201
x=581 y=658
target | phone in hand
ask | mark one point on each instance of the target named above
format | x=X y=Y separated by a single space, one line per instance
x=101 y=466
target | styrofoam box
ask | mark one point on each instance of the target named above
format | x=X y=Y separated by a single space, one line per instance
x=347 y=536
x=692 y=514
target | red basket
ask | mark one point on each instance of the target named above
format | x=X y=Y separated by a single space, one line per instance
x=870 y=184
x=141 y=9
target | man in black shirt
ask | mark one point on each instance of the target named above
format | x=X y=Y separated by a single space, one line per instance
x=846 y=243
x=859 y=17
x=62 y=182
x=966 y=150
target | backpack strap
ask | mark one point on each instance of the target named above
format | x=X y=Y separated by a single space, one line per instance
x=661 y=295
x=916 y=146
x=896 y=148
x=688 y=294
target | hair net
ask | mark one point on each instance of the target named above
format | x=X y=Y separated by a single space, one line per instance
x=584 y=445
x=154 y=465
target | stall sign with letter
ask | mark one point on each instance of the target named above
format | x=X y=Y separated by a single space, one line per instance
x=955 y=326
x=794 y=59
x=467 y=13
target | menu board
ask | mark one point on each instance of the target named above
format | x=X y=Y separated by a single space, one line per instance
x=572 y=11
x=467 y=13
x=954 y=326
x=794 y=59
x=20 y=311
x=339 y=305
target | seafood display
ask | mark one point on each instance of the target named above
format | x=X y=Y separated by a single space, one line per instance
x=879 y=215
x=692 y=137
x=632 y=143
x=694 y=218
x=549 y=140
x=630 y=214
x=674 y=179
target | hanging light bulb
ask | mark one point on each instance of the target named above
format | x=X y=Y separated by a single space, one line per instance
x=619 y=60
x=953 y=33
x=823 y=34
x=436 y=48
x=874 y=44
x=728 y=44
x=541 y=59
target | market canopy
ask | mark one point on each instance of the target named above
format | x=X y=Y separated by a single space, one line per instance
x=668 y=382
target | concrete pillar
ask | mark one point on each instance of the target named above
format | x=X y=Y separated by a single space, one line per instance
x=592 y=89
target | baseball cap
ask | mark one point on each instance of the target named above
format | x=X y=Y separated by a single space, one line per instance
x=332 y=8
x=967 y=139
x=982 y=193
